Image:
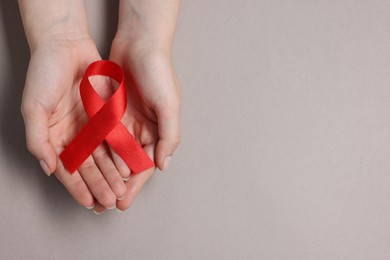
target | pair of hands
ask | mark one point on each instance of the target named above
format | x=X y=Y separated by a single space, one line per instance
x=53 y=114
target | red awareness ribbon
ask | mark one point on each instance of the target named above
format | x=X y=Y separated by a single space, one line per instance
x=104 y=123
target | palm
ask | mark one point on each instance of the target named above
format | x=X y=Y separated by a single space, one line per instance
x=140 y=117
x=149 y=79
x=60 y=99
x=66 y=121
x=51 y=97
x=143 y=128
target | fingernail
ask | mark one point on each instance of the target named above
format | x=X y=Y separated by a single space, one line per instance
x=97 y=213
x=126 y=179
x=44 y=167
x=121 y=198
x=120 y=211
x=111 y=207
x=91 y=207
x=166 y=163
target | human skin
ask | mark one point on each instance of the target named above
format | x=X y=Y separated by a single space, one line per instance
x=61 y=49
x=143 y=47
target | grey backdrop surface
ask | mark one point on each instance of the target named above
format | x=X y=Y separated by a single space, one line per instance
x=285 y=143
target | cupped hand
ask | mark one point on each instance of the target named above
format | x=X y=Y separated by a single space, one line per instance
x=53 y=114
x=152 y=114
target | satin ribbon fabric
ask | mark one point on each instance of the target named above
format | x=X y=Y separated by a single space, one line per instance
x=104 y=123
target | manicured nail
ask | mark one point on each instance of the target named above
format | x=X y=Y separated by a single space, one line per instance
x=121 y=198
x=91 y=207
x=44 y=167
x=166 y=163
x=120 y=211
x=97 y=213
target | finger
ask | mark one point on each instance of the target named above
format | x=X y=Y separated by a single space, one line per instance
x=37 y=136
x=109 y=171
x=136 y=182
x=121 y=166
x=143 y=136
x=98 y=209
x=169 y=134
x=97 y=184
x=75 y=186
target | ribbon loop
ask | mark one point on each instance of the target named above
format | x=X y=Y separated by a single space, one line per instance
x=104 y=123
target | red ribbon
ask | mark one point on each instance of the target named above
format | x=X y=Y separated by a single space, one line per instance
x=104 y=123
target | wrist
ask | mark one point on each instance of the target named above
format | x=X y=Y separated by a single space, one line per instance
x=58 y=37
x=70 y=47
x=149 y=22
x=142 y=47
x=46 y=20
x=141 y=41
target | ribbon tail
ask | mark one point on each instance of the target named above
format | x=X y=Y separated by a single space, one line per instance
x=125 y=145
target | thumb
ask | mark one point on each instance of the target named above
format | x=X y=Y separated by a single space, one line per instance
x=37 y=136
x=169 y=135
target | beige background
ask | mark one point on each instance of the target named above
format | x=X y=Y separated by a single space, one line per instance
x=285 y=151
